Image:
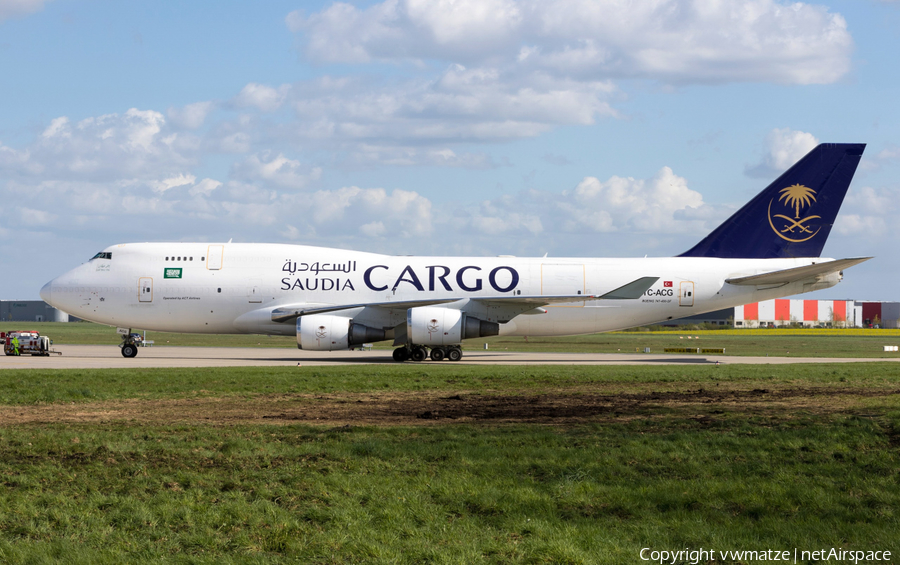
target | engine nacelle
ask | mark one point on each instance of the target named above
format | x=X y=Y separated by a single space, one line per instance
x=324 y=332
x=434 y=326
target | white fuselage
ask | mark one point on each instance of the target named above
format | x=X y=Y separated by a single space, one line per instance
x=233 y=288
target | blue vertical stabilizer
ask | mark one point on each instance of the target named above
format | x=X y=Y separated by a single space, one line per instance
x=793 y=216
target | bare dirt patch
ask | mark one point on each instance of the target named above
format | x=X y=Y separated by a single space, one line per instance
x=417 y=408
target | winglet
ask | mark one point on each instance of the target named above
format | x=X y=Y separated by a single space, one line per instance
x=631 y=291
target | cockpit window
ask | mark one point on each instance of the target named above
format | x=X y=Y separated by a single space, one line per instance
x=102 y=255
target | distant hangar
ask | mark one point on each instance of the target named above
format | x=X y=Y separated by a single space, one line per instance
x=31 y=311
x=817 y=313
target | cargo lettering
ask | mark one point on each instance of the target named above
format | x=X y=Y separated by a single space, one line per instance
x=468 y=278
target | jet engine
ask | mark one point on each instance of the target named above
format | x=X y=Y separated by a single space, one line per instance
x=324 y=332
x=434 y=326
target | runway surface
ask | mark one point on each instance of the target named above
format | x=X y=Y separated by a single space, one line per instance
x=109 y=356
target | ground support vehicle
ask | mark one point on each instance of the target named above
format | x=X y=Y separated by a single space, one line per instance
x=27 y=343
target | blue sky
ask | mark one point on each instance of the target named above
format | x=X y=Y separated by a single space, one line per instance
x=477 y=127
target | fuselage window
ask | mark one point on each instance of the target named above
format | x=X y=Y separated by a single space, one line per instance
x=203 y=258
x=220 y=290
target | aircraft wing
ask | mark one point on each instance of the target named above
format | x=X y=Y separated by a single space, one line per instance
x=795 y=274
x=630 y=291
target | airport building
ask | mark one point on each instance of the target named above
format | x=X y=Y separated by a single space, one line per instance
x=818 y=313
x=30 y=311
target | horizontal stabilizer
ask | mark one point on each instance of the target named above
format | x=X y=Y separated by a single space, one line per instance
x=786 y=276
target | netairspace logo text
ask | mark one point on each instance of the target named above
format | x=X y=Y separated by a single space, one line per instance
x=829 y=555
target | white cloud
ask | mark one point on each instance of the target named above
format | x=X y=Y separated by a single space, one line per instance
x=262 y=97
x=872 y=201
x=191 y=116
x=409 y=156
x=278 y=170
x=107 y=147
x=650 y=205
x=402 y=213
x=110 y=171
x=30 y=217
x=460 y=105
x=516 y=69
x=783 y=148
x=507 y=223
x=173 y=182
x=15 y=8
x=860 y=225
x=373 y=229
x=889 y=154
x=235 y=143
x=15 y=160
x=59 y=127
x=886 y=156
x=668 y=40
x=205 y=187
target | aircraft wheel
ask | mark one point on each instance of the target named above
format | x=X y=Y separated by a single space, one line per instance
x=437 y=354
x=129 y=350
x=455 y=354
x=401 y=354
x=419 y=354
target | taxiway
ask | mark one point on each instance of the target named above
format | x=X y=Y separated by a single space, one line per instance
x=109 y=357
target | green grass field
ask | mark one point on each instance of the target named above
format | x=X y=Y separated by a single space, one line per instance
x=731 y=458
x=772 y=342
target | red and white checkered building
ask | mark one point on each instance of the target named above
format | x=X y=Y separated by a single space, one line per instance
x=814 y=313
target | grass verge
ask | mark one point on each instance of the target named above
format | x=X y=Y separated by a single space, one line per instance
x=451 y=494
x=85 y=385
x=713 y=472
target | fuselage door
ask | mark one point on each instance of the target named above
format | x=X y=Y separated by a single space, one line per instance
x=686 y=294
x=562 y=279
x=145 y=289
x=215 y=257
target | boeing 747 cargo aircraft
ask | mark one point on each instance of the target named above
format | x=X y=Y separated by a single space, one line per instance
x=335 y=299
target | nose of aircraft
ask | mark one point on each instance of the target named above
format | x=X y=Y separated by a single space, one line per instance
x=46 y=293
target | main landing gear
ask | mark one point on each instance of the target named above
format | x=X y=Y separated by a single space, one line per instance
x=129 y=346
x=420 y=353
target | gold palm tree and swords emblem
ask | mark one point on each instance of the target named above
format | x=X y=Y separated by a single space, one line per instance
x=794 y=229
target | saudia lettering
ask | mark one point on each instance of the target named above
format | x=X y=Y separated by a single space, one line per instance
x=324 y=284
x=316 y=284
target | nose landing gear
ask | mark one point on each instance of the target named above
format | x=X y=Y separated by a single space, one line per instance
x=129 y=350
x=420 y=353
